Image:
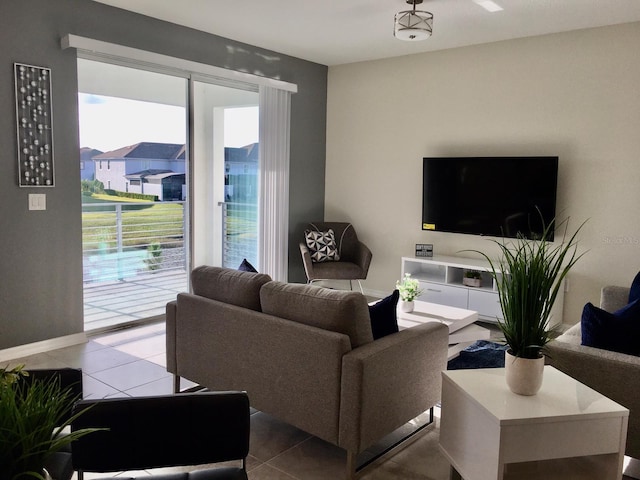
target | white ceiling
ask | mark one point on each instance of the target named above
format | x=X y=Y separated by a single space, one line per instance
x=333 y=32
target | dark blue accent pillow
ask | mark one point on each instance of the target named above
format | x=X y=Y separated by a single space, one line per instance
x=617 y=332
x=634 y=293
x=245 y=266
x=384 y=319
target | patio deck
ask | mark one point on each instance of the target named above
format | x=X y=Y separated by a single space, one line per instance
x=107 y=304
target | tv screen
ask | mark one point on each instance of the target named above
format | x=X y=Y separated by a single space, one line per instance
x=496 y=196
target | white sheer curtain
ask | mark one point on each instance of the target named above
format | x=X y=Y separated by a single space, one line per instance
x=275 y=106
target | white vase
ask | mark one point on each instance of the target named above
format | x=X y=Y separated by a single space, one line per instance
x=523 y=375
x=406 y=306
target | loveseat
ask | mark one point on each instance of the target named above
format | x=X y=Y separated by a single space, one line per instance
x=305 y=355
x=615 y=375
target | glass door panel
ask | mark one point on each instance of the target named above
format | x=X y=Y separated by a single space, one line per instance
x=134 y=167
x=225 y=175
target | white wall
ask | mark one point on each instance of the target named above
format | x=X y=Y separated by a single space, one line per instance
x=575 y=95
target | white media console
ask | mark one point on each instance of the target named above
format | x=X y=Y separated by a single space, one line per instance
x=441 y=282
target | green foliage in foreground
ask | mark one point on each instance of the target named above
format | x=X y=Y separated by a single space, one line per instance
x=31 y=421
x=528 y=277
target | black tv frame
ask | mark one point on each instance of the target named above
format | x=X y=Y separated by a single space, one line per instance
x=492 y=196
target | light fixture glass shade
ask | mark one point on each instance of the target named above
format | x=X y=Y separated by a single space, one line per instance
x=413 y=25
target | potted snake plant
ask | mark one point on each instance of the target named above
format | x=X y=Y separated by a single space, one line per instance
x=528 y=276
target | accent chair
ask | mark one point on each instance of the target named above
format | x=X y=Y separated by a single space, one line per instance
x=354 y=256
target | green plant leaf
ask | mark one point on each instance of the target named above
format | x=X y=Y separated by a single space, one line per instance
x=528 y=277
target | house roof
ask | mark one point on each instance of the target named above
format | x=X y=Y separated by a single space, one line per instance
x=246 y=154
x=153 y=150
x=87 y=153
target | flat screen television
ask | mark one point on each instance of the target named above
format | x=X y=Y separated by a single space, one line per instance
x=495 y=196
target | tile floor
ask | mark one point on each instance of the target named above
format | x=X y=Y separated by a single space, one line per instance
x=132 y=362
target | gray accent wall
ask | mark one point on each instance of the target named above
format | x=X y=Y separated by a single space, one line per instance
x=41 y=251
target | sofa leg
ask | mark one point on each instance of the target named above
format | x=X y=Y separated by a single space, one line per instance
x=351 y=465
x=176 y=383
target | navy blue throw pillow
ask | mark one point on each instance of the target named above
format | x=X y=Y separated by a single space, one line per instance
x=245 y=266
x=634 y=293
x=617 y=332
x=384 y=319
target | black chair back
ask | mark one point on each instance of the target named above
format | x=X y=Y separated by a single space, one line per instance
x=171 y=430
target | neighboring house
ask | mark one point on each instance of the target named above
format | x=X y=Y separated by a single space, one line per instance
x=167 y=185
x=87 y=169
x=241 y=172
x=136 y=168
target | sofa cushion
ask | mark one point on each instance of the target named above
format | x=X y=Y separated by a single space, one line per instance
x=229 y=286
x=617 y=332
x=384 y=318
x=634 y=292
x=322 y=246
x=338 y=311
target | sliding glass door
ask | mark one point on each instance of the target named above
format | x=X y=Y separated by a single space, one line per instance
x=225 y=175
x=133 y=164
x=183 y=164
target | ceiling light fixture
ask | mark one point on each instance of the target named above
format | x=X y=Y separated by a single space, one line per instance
x=413 y=25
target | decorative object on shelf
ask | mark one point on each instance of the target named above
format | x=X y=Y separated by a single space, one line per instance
x=528 y=277
x=472 y=278
x=409 y=289
x=424 y=250
x=34 y=125
x=413 y=25
x=32 y=417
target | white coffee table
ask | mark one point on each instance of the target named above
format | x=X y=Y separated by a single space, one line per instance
x=462 y=329
x=565 y=431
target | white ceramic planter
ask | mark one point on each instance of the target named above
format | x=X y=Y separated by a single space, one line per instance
x=406 y=306
x=523 y=375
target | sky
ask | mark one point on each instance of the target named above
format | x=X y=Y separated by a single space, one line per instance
x=109 y=123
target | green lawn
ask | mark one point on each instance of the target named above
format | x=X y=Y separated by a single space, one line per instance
x=143 y=223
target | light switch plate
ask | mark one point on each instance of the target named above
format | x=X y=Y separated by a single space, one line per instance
x=37 y=201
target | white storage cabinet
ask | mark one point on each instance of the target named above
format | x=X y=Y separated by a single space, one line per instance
x=441 y=282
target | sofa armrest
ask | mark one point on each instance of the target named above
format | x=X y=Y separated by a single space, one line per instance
x=613 y=298
x=388 y=382
x=170 y=318
x=612 y=374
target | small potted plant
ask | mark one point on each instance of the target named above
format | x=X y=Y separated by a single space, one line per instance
x=472 y=278
x=409 y=289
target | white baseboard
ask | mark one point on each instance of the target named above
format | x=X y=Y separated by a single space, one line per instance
x=40 y=347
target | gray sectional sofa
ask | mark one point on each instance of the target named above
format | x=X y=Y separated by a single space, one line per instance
x=613 y=374
x=305 y=355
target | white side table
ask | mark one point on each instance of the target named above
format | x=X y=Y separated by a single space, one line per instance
x=567 y=431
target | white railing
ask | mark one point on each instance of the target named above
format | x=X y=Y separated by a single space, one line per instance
x=239 y=234
x=122 y=240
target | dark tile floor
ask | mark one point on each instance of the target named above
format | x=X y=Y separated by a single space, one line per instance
x=132 y=362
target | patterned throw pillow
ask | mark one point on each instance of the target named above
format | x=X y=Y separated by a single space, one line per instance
x=322 y=246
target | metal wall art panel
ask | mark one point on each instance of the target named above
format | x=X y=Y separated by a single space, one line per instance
x=34 y=124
